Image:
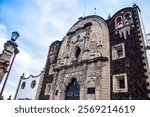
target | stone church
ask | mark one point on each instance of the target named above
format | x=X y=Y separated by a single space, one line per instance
x=98 y=59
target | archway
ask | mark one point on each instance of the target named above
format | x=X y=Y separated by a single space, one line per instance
x=72 y=90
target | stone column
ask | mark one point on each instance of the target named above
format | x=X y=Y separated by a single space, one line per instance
x=62 y=95
x=2 y=72
x=5 y=57
x=86 y=47
x=97 y=93
x=82 y=94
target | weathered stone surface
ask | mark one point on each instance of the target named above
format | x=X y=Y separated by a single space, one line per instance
x=95 y=52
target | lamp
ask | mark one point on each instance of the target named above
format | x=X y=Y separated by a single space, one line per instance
x=14 y=36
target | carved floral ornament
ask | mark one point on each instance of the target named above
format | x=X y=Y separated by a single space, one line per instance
x=80 y=45
x=89 y=41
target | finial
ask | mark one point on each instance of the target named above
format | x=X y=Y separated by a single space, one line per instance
x=80 y=18
x=9 y=98
x=22 y=76
x=134 y=5
x=109 y=16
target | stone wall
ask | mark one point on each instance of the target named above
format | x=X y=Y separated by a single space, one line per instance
x=134 y=63
x=84 y=55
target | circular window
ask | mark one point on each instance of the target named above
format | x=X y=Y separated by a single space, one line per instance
x=23 y=85
x=33 y=83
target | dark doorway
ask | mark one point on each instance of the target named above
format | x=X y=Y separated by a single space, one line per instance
x=73 y=90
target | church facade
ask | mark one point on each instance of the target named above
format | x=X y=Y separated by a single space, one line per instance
x=98 y=60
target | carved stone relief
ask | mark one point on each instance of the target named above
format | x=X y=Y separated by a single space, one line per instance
x=88 y=69
x=93 y=47
x=86 y=42
x=91 y=82
x=47 y=89
x=92 y=70
x=6 y=56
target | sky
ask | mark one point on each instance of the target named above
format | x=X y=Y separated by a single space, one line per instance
x=40 y=22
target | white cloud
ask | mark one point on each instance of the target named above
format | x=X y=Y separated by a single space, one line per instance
x=37 y=22
x=23 y=63
x=115 y=2
x=3 y=37
x=27 y=63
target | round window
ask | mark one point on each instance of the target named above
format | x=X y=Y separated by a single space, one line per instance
x=23 y=85
x=33 y=83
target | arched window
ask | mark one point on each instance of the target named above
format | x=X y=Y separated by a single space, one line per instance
x=56 y=93
x=33 y=83
x=23 y=85
x=118 y=22
x=77 y=52
x=128 y=18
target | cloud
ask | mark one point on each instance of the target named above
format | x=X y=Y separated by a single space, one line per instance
x=3 y=36
x=24 y=62
x=39 y=23
x=115 y=2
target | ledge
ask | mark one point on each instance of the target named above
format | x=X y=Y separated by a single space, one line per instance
x=75 y=63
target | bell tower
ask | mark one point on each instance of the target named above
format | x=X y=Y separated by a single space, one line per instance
x=10 y=48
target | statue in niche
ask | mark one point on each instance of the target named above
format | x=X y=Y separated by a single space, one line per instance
x=78 y=38
x=68 y=41
x=93 y=47
x=92 y=70
x=96 y=36
x=86 y=42
x=66 y=52
x=67 y=49
x=96 y=43
x=91 y=82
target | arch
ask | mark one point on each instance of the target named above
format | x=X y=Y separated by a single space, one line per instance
x=128 y=18
x=23 y=85
x=122 y=10
x=77 y=52
x=118 y=22
x=33 y=83
x=72 y=90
